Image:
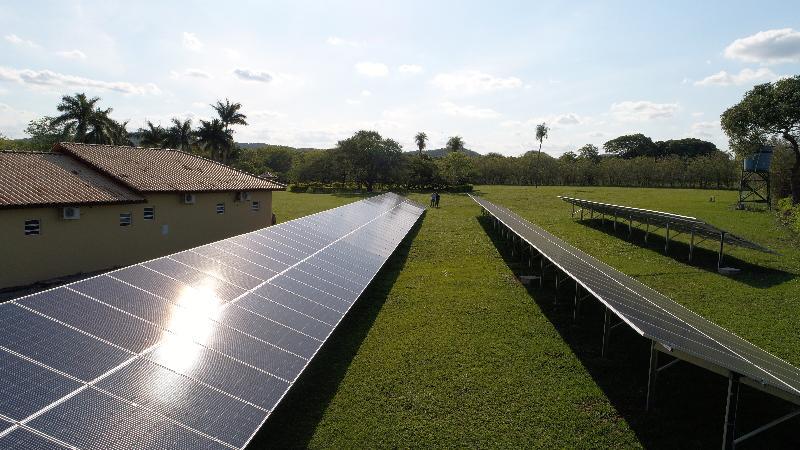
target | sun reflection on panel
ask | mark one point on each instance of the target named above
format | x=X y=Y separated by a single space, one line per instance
x=190 y=325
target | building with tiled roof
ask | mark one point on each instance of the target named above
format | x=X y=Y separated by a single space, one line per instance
x=86 y=208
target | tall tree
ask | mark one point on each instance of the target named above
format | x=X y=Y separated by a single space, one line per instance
x=152 y=135
x=44 y=134
x=180 y=135
x=215 y=138
x=590 y=152
x=631 y=146
x=541 y=134
x=229 y=114
x=119 y=133
x=422 y=139
x=83 y=120
x=768 y=110
x=455 y=144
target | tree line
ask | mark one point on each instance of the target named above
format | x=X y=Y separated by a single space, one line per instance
x=768 y=114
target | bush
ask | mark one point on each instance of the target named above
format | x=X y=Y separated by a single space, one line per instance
x=460 y=188
x=789 y=214
x=297 y=188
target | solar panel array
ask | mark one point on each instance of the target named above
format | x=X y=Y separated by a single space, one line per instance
x=192 y=350
x=652 y=314
x=676 y=222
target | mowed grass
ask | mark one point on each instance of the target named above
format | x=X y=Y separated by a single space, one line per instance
x=447 y=349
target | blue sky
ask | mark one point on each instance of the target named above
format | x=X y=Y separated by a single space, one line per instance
x=311 y=73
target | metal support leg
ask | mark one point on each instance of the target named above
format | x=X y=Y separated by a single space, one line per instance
x=581 y=213
x=541 y=273
x=573 y=210
x=630 y=227
x=729 y=434
x=651 y=377
x=646 y=230
x=666 y=245
x=721 y=250
x=615 y=222
x=577 y=305
x=606 y=332
x=691 y=246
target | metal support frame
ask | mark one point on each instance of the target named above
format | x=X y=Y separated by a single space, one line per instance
x=731 y=408
x=606 y=332
x=691 y=246
x=751 y=186
x=576 y=309
x=666 y=245
x=721 y=250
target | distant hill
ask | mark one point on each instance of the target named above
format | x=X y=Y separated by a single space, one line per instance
x=440 y=152
x=255 y=145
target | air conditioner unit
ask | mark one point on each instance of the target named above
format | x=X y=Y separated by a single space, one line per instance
x=71 y=213
x=243 y=196
x=188 y=199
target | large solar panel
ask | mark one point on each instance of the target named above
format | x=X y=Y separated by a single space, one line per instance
x=191 y=350
x=678 y=223
x=655 y=316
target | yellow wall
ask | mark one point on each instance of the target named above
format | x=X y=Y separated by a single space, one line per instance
x=96 y=241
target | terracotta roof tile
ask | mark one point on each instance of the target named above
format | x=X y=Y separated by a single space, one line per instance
x=165 y=170
x=44 y=179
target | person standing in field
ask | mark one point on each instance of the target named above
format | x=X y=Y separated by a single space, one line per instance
x=436 y=200
x=433 y=199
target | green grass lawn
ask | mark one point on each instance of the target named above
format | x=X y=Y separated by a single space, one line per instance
x=446 y=348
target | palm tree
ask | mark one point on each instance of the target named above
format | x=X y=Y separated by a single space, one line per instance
x=152 y=136
x=180 y=135
x=541 y=135
x=455 y=144
x=229 y=115
x=422 y=140
x=82 y=119
x=214 y=137
x=119 y=133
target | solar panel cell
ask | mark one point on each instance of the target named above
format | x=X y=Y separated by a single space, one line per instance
x=28 y=387
x=56 y=345
x=270 y=330
x=184 y=400
x=22 y=439
x=285 y=315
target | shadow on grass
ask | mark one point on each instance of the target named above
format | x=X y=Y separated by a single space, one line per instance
x=753 y=275
x=689 y=401
x=294 y=421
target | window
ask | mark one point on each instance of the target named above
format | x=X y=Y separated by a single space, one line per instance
x=125 y=219
x=149 y=213
x=220 y=208
x=255 y=206
x=31 y=227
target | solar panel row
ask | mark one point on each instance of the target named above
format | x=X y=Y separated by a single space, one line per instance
x=677 y=223
x=192 y=350
x=654 y=315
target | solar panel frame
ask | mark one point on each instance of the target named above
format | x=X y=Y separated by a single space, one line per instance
x=231 y=357
x=705 y=341
x=685 y=224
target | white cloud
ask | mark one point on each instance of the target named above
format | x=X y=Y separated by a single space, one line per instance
x=706 y=129
x=352 y=101
x=745 y=76
x=567 y=119
x=412 y=69
x=342 y=42
x=469 y=111
x=14 y=121
x=636 y=111
x=192 y=42
x=72 y=54
x=197 y=73
x=365 y=93
x=473 y=81
x=266 y=114
x=768 y=47
x=38 y=78
x=16 y=40
x=253 y=75
x=372 y=69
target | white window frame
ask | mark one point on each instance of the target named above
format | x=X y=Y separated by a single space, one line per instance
x=125 y=219
x=152 y=213
x=220 y=208
x=33 y=227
